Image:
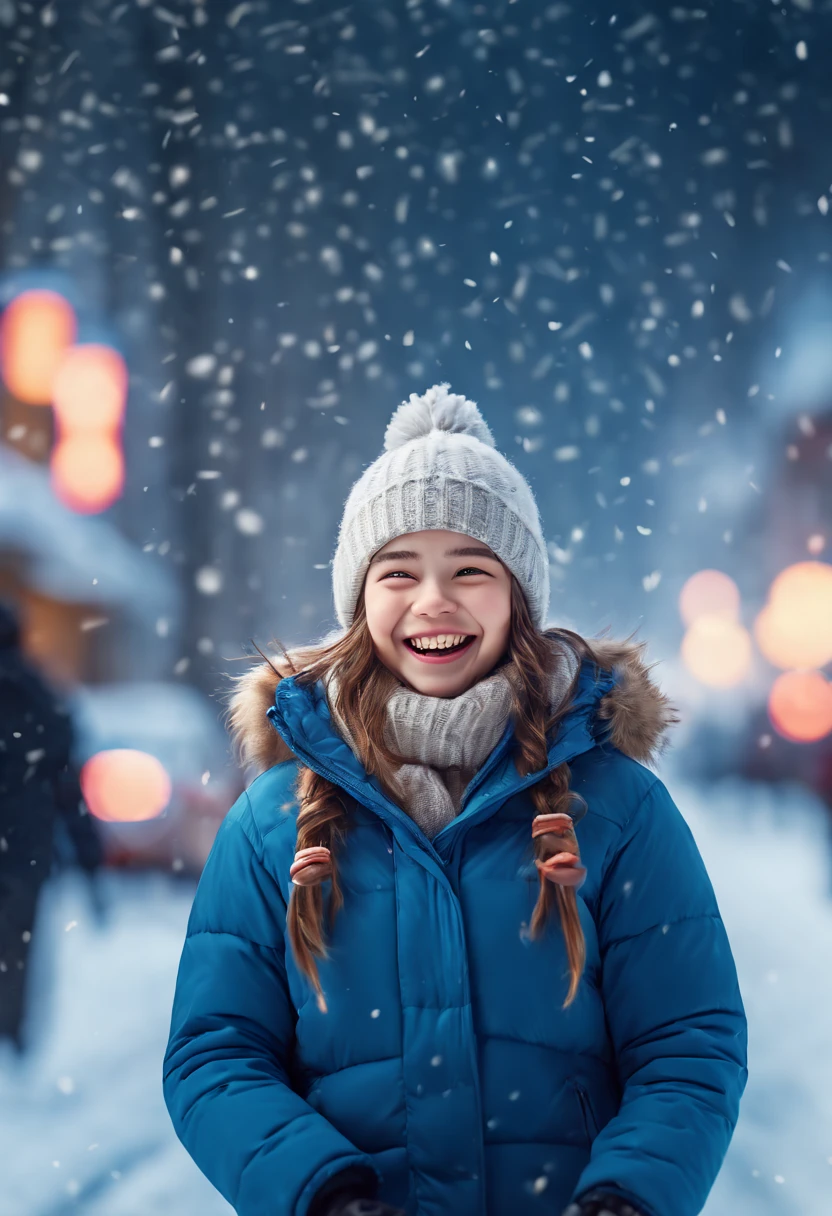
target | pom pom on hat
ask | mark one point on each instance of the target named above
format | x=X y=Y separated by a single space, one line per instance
x=436 y=410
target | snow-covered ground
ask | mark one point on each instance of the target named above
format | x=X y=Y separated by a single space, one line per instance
x=769 y=854
x=82 y=1119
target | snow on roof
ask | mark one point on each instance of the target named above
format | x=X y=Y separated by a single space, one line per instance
x=78 y=558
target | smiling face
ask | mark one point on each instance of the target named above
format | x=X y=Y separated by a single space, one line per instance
x=438 y=586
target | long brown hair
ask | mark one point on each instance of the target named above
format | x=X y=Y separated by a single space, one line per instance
x=323 y=818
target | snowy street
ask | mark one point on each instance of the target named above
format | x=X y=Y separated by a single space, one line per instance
x=374 y=377
x=83 y=1121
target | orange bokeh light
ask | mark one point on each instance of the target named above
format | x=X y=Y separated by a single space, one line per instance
x=711 y=593
x=800 y=706
x=36 y=330
x=795 y=628
x=125 y=786
x=87 y=472
x=716 y=651
x=90 y=389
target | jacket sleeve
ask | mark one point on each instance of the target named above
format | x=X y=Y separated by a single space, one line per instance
x=225 y=1078
x=676 y=1018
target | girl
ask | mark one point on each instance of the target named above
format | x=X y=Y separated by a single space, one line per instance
x=455 y=949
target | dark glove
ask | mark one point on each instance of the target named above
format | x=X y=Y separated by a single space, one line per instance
x=602 y=1203
x=348 y=1193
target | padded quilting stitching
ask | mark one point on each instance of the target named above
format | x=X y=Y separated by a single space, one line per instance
x=629 y=937
x=566 y=1051
x=238 y=936
x=323 y=1076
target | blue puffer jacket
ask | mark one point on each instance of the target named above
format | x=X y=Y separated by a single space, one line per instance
x=445 y=1064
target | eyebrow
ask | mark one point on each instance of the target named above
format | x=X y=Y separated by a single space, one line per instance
x=410 y=555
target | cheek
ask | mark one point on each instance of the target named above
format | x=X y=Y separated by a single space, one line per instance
x=381 y=613
x=493 y=607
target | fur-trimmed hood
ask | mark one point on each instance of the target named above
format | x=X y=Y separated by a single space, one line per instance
x=641 y=714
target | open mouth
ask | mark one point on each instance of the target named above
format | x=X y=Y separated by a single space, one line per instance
x=438 y=652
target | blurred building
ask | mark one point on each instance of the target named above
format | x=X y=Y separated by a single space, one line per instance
x=85 y=595
x=93 y=607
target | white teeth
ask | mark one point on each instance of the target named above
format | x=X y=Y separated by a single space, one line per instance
x=442 y=642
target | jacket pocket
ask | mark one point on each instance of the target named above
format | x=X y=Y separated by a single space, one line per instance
x=587 y=1113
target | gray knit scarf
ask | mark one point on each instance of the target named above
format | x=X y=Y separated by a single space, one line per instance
x=443 y=741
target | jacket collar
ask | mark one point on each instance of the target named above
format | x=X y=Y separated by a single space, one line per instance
x=275 y=719
x=301 y=716
x=636 y=713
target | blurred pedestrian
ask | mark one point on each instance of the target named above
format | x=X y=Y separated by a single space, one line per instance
x=455 y=950
x=39 y=791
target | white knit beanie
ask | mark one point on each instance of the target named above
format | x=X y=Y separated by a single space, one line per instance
x=440 y=469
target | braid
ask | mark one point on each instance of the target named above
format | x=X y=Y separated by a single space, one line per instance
x=322 y=820
x=551 y=796
x=534 y=659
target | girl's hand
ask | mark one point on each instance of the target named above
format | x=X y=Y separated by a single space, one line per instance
x=349 y=1194
x=602 y=1203
x=366 y=1207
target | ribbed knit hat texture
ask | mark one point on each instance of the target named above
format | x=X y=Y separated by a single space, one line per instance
x=440 y=469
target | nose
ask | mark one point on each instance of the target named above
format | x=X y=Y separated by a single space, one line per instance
x=432 y=599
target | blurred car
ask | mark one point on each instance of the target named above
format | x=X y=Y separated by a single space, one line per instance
x=175 y=725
